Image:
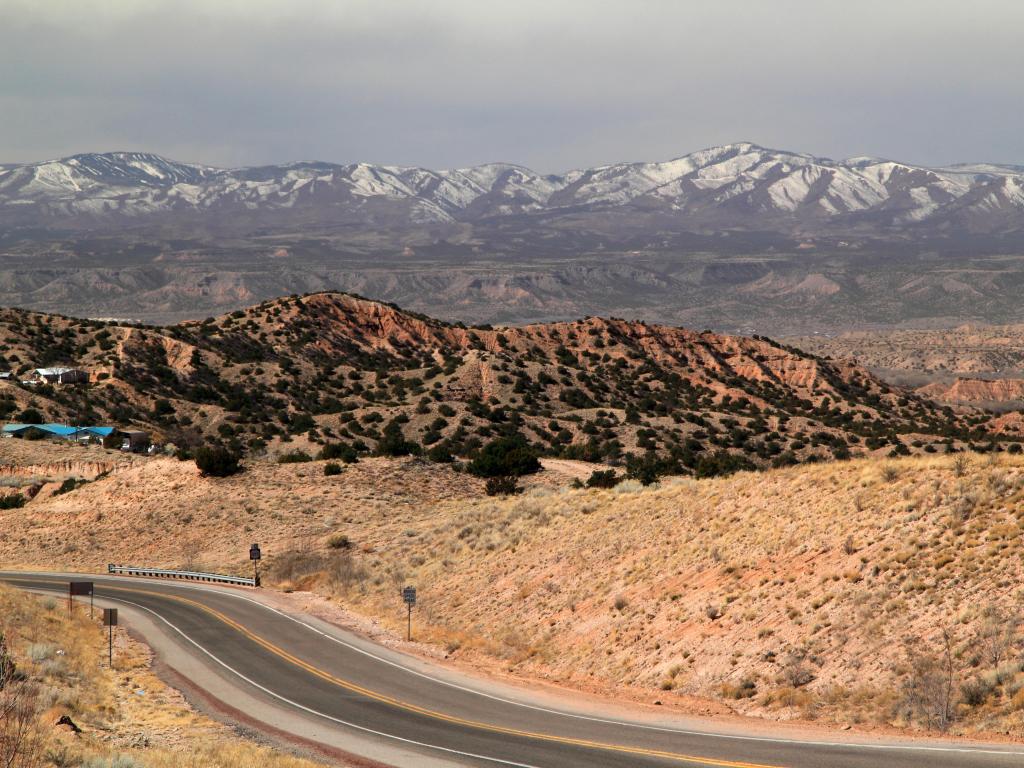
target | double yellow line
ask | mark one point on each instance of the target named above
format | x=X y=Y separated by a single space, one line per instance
x=409 y=707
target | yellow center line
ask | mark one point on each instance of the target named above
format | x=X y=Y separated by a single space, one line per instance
x=409 y=707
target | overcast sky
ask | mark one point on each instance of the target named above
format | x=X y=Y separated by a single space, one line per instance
x=552 y=84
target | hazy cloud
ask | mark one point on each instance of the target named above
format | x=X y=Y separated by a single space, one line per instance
x=554 y=85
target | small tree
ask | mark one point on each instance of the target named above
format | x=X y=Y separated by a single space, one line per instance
x=216 y=461
x=393 y=442
x=441 y=454
x=502 y=486
x=12 y=501
x=505 y=457
x=342 y=451
x=602 y=479
x=30 y=416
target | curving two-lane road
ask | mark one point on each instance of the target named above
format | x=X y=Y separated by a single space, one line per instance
x=333 y=689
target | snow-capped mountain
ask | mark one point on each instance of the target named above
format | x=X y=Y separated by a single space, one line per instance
x=737 y=186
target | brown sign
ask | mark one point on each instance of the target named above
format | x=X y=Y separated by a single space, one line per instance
x=79 y=588
x=110 y=617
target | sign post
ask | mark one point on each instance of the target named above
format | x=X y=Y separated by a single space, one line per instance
x=76 y=588
x=409 y=596
x=110 y=621
x=255 y=555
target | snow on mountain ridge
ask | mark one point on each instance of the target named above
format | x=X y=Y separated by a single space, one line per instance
x=738 y=176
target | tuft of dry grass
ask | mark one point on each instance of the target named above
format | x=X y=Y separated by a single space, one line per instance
x=127 y=716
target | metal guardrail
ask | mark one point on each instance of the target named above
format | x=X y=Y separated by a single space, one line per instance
x=218 y=578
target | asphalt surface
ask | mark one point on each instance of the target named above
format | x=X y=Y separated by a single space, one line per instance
x=347 y=688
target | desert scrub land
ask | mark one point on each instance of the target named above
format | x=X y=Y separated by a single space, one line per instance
x=855 y=592
x=61 y=705
x=882 y=592
x=159 y=511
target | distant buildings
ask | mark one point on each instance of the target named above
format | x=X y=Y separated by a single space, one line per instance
x=133 y=440
x=59 y=376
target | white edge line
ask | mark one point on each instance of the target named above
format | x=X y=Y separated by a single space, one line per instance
x=308 y=709
x=604 y=721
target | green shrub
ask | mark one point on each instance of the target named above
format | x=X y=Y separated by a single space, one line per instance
x=69 y=485
x=331 y=469
x=339 y=541
x=12 y=501
x=29 y=416
x=216 y=461
x=722 y=463
x=649 y=467
x=342 y=451
x=393 y=442
x=502 y=486
x=440 y=454
x=505 y=457
x=602 y=479
x=294 y=457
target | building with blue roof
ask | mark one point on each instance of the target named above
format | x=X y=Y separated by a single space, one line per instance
x=56 y=430
x=133 y=440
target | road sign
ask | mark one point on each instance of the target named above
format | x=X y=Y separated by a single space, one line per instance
x=409 y=596
x=80 y=588
x=110 y=621
x=76 y=588
x=255 y=555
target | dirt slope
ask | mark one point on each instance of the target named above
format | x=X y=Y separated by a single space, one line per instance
x=817 y=591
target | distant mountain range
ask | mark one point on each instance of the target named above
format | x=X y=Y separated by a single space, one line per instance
x=734 y=187
x=735 y=238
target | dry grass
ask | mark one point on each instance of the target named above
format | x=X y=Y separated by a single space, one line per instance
x=814 y=587
x=824 y=586
x=127 y=717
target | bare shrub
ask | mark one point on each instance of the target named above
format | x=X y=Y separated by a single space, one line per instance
x=996 y=635
x=928 y=691
x=337 y=568
x=20 y=739
x=343 y=572
x=796 y=672
x=961 y=464
x=744 y=689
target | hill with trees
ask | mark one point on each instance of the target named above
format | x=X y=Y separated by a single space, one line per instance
x=356 y=375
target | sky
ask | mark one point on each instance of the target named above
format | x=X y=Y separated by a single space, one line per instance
x=552 y=84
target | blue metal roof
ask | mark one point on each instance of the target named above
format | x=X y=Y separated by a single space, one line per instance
x=58 y=429
x=61 y=430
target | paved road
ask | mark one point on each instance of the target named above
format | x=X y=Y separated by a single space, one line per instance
x=349 y=689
